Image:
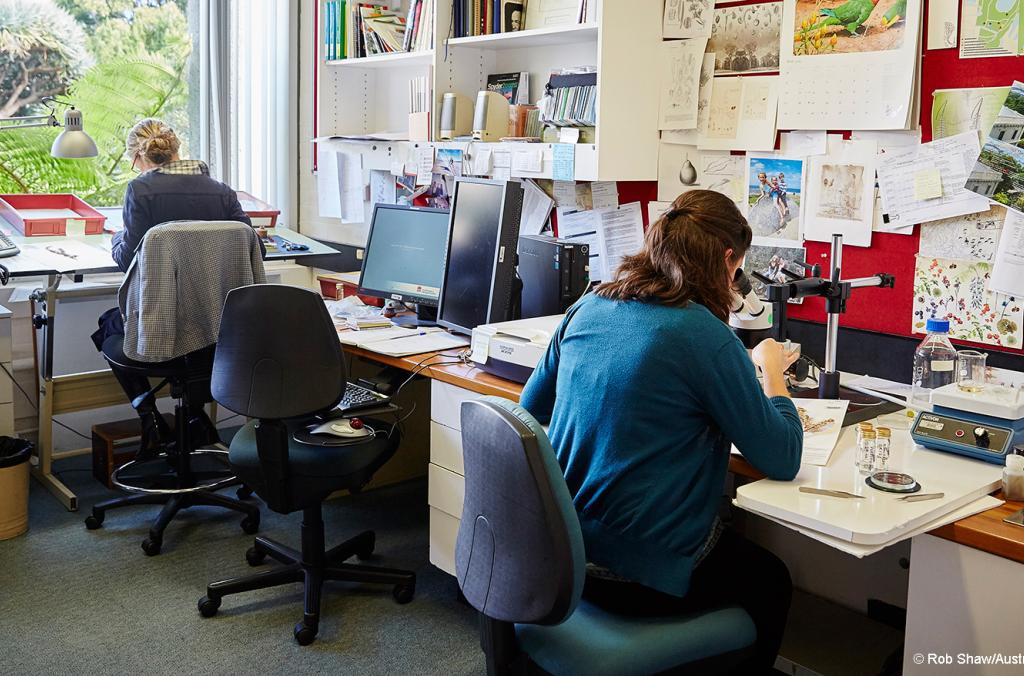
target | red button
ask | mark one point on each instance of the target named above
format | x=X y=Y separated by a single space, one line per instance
x=959 y=433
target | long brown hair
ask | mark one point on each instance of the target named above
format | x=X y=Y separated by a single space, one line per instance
x=683 y=257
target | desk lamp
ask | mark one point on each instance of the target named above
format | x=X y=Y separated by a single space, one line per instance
x=835 y=291
x=71 y=143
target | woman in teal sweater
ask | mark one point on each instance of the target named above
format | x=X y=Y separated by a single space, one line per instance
x=646 y=388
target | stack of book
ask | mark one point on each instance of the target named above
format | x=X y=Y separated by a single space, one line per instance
x=524 y=122
x=354 y=29
x=570 y=98
x=486 y=17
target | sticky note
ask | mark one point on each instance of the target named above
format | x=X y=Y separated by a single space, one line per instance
x=927 y=184
x=563 y=162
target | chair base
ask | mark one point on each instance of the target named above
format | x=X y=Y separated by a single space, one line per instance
x=174 y=503
x=312 y=567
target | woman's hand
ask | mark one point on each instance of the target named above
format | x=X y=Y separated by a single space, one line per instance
x=773 y=359
x=772 y=356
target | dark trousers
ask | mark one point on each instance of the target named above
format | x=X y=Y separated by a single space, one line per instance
x=736 y=572
x=111 y=326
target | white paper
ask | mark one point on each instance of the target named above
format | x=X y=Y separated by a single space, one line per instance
x=680 y=64
x=479 y=160
x=968 y=237
x=364 y=338
x=623 y=233
x=604 y=194
x=656 y=210
x=1008 y=268
x=434 y=341
x=382 y=188
x=818 y=446
x=585 y=227
x=353 y=189
x=328 y=185
x=745 y=38
x=527 y=161
x=852 y=82
x=742 y=114
x=889 y=139
x=840 y=194
x=565 y=194
x=943 y=19
x=550 y=13
x=62 y=255
x=802 y=143
x=954 y=111
x=952 y=157
x=687 y=18
x=502 y=169
x=424 y=164
x=536 y=208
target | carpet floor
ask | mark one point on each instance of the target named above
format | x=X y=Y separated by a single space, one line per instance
x=74 y=601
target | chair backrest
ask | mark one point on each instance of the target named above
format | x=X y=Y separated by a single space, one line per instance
x=278 y=354
x=519 y=554
x=174 y=289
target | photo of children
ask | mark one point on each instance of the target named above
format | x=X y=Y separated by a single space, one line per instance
x=774 y=196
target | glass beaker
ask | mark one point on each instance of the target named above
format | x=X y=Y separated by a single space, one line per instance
x=971 y=370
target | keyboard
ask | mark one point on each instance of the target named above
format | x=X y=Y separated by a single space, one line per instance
x=7 y=247
x=357 y=398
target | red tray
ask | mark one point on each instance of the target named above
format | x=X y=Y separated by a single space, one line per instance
x=11 y=207
x=256 y=208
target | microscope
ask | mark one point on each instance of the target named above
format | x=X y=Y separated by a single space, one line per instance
x=752 y=323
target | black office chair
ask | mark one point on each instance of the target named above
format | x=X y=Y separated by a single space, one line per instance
x=279 y=361
x=520 y=562
x=182 y=476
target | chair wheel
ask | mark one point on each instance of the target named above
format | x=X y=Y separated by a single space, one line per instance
x=365 y=551
x=251 y=524
x=403 y=593
x=243 y=493
x=151 y=546
x=254 y=557
x=304 y=635
x=92 y=522
x=208 y=607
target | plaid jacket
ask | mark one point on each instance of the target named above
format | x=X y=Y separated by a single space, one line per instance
x=174 y=290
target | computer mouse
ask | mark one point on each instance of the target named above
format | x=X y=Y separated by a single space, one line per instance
x=341 y=427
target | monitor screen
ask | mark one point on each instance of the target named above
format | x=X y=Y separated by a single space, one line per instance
x=404 y=258
x=476 y=223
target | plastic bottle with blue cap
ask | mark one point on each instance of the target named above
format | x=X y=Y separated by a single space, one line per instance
x=934 y=361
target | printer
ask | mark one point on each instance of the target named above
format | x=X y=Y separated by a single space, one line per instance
x=513 y=349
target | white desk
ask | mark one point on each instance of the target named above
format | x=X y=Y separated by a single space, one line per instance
x=80 y=391
x=878 y=518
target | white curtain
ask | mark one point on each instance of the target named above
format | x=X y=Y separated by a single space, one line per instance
x=245 y=71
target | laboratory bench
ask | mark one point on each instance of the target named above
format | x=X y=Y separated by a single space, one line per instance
x=964 y=576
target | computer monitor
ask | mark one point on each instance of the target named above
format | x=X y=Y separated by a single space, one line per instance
x=405 y=253
x=480 y=274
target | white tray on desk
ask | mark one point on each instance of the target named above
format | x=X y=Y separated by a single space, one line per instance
x=879 y=517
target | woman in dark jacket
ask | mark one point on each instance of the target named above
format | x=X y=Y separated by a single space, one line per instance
x=167 y=188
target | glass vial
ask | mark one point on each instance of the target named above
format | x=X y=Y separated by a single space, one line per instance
x=883 y=448
x=865 y=450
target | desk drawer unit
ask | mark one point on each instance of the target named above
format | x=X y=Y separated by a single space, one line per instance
x=446 y=485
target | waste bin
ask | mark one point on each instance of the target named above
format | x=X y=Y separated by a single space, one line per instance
x=14 y=455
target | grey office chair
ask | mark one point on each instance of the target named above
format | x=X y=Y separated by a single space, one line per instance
x=281 y=372
x=520 y=562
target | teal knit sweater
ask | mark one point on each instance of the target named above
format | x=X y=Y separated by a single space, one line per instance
x=643 y=402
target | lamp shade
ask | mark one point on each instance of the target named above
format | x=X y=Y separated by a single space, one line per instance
x=73 y=143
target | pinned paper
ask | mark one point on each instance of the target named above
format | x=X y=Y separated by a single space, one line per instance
x=528 y=160
x=569 y=135
x=563 y=161
x=424 y=164
x=565 y=194
x=604 y=194
x=927 y=184
x=480 y=161
x=398 y=164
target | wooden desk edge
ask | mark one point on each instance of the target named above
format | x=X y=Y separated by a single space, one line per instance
x=985 y=531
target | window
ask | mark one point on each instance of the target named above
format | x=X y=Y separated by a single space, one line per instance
x=1001 y=132
x=117 y=61
x=220 y=72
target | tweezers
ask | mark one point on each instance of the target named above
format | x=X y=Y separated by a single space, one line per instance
x=830 y=493
x=921 y=497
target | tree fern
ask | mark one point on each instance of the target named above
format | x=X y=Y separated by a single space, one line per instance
x=112 y=97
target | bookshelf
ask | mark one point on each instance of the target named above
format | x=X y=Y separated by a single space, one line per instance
x=365 y=95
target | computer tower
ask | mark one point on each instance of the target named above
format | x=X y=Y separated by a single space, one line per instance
x=554 y=272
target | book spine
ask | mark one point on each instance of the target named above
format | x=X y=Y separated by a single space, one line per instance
x=328 y=23
x=496 y=16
